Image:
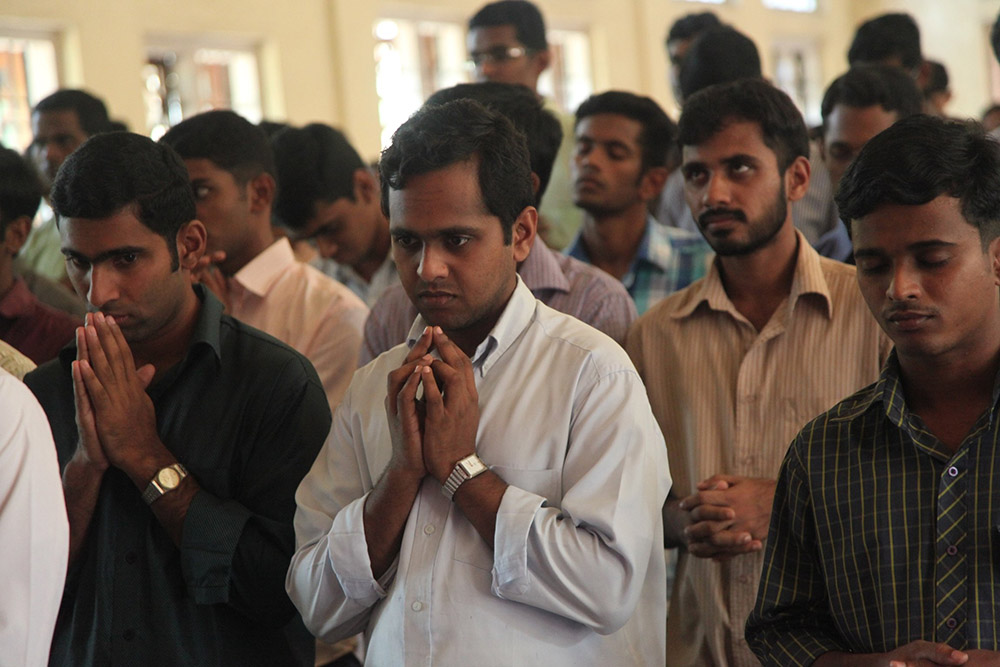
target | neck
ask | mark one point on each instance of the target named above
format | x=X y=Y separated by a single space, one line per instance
x=260 y=239
x=612 y=239
x=6 y=275
x=469 y=338
x=167 y=347
x=376 y=255
x=757 y=283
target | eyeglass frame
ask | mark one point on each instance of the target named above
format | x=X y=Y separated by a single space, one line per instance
x=498 y=55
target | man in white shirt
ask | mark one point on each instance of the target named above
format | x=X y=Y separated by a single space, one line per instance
x=256 y=277
x=496 y=500
x=33 y=528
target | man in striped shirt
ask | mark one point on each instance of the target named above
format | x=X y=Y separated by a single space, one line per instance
x=735 y=364
x=884 y=543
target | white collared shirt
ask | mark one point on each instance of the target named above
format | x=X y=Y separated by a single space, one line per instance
x=34 y=533
x=577 y=574
x=303 y=308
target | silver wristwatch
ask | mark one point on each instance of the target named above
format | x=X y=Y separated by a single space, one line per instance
x=165 y=481
x=464 y=470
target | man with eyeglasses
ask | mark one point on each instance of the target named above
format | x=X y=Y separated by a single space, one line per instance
x=507 y=44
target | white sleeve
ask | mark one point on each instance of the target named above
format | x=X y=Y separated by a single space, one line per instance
x=34 y=532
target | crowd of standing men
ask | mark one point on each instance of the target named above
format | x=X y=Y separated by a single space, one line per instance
x=523 y=393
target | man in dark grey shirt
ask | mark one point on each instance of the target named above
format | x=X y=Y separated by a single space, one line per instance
x=181 y=432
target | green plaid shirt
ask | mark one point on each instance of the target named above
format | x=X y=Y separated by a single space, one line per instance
x=880 y=536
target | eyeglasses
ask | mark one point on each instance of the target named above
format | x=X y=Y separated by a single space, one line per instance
x=497 y=55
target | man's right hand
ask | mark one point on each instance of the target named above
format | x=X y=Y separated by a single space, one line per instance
x=926 y=654
x=88 y=449
x=404 y=412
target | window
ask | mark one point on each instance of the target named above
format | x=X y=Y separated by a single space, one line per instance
x=797 y=71
x=27 y=74
x=791 y=5
x=185 y=79
x=568 y=79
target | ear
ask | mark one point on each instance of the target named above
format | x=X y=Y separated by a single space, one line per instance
x=15 y=234
x=797 y=178
x=523 y=233
x=261 y=192
x=993 y=250
x=651 y=183
x=191 y=239
x=542 y=60
x=365 y=188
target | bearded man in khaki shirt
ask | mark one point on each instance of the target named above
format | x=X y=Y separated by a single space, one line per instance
x=736 y=363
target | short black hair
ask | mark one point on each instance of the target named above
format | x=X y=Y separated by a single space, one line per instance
x=869 y=85
x=20 y=188
x=719 y=55
x=90 y=110
x=658 y=131
x=228 y=140
x=691 y=25
x=937 y=80
x=525 y=110
x=995 y=38
x=529 y=26
x=436 y=137
x=116 y=171
x=885 y=37
x=921 y=158
x=315 y=164
x=752 y=100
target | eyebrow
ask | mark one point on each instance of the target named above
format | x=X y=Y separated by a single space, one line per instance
x=69 y=253
x=398 y=232
x=913 y=247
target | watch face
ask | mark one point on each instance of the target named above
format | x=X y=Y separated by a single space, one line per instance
x=472 y=465
x=168 y=478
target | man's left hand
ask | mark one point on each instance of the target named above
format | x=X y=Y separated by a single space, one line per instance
x=123 y=412
x=451 y=408
x=748 y=500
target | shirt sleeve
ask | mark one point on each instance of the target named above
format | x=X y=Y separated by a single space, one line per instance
x=236 y=550
x=790 y=623
x=587 y=559
x=330 y=579
x=335 y=346
x=33 y=528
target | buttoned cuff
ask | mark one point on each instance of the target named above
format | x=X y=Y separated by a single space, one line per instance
x=212 y=529
x=518 y=507
x=347 y=547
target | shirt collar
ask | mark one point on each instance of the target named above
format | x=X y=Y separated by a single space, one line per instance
x=516 y=315
x=541 y=271
x=808 y=278
x=17 y=302
x=263 y=271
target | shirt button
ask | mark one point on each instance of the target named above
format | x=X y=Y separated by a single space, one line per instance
x=743 y=579
x=128 y=635
x=130 y=557
x=951 y=623
x=952 y=550
x=429 y=529
x=953 y=471
x=416 y=606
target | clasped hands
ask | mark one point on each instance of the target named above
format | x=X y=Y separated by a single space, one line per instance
x=430 y=434
x=114 y=415
x=729 y=516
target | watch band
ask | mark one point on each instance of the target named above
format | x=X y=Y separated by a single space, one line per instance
x=469 y=467
x=166 y=480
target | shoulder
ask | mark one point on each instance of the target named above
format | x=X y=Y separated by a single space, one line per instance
x=565 y=337
x=323 y=288
x=583 y=277
x=255 y=353
x=834 y=428
x=664 y=314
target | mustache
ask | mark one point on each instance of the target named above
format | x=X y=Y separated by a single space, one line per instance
x=898 y=307
x=715 y=213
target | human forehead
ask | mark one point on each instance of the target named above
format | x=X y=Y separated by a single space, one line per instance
x=892 y=228
x=857 y=124
x=64 y=121
x=92 y=237
x=609 y=127
x=734 y=138
x=485 y=38
x=204 y=169
x=439 y=199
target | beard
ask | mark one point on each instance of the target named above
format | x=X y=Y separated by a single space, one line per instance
x=760 y=231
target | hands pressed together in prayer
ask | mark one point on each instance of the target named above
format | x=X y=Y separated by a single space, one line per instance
x=729 y=516
x=114 y=415
x=431 y=433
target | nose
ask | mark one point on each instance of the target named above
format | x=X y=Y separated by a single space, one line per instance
x=103 y=287
x=903 y=284
x=432 y=265
x=717 y=193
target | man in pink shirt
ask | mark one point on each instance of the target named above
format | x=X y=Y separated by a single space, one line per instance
x=257 y=277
